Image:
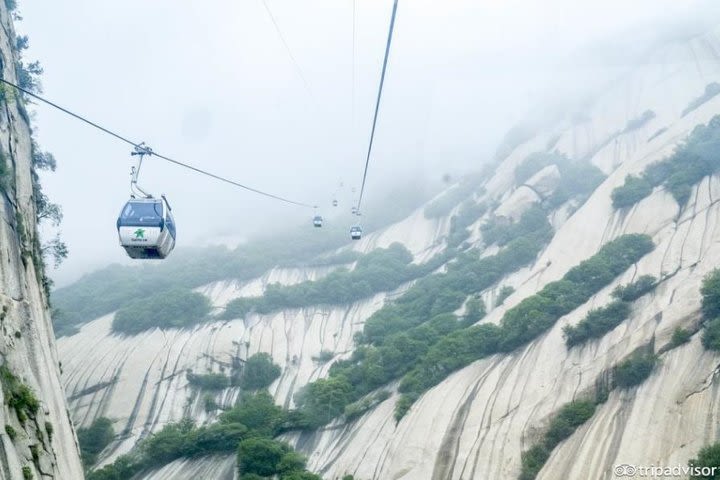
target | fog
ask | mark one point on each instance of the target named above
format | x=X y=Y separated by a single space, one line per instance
x=212 y=84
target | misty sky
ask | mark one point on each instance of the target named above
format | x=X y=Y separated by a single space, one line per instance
x=211 y=84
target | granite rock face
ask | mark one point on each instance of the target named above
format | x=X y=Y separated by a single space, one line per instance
x=478 y=421
x=44 y=444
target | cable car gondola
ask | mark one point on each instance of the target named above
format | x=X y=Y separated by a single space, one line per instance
x=146 y=227
x=317 y=221
x=356 y=232
x=335 y=203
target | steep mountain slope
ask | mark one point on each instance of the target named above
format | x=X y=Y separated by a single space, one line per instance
x=140 y=381
x=36 y=436
x=479 y=420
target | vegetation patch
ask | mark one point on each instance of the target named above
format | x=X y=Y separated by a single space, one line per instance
x=711 y=90
x=562 y=425
x=578 y=178
x=596 y=323
x=640 y=121
x=503 y=294
x=501 y=230
x=469 y=212
x=379 y=271
x=706 y=463
x=692 y=161
x=635 y=369
x=208 y=381
x=18 y=396
x=176 y=308
x=710 y=291
x=420 y=338
x=248 y=428
x=602 y=320
x=528 y=319
x=94 y=439
x=259 y=372
x=679 y=337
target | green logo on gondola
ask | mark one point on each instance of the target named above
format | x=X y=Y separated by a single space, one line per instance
x=139 y=233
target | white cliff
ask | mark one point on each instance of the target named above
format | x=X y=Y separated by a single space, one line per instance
x=43 y=445
x=478 y=421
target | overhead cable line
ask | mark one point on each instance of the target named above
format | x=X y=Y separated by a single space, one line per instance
x=377 y=103
x=141 y=147
x=352 y=88
x=287 y=49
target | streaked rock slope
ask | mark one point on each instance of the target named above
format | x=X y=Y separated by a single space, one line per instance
x=476 y=423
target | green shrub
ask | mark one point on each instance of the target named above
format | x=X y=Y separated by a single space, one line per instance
x=258 y=413
x=209 y=403
x=10 y=432
x=259 y=372
x=504 y=292
x=26 y=470
x=176 y=308
x=597 y=323
x=49 y=430
x=708 y=458
x=571 y=416
x=260 y=456
x=710 y=291
x=324 y=356
x=631 y=192
x=208 y=381
x=679 y=337
x=469 y=212
x=562 y=425
x=635 y=369
x=18 y=396
x=532 y=462
x=711 y=90
x=633 y=291
x=324 y=399
x=502 y=230
x=94 y=439
x=639 y=122
x=711 y=335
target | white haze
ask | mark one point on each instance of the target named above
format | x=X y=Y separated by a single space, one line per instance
x=211 y=83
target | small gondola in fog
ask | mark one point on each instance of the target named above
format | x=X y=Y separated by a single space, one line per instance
x=317 y=221
x=356 y=232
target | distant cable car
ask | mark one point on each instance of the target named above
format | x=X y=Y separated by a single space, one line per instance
x=146 y=227
x=335 y=203
x=354 y=210
x=317 y=221
x=356 y=232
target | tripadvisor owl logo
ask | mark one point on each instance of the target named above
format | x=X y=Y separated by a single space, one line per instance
x=139 y=233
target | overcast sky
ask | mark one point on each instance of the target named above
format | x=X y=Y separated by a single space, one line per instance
x=212 y=84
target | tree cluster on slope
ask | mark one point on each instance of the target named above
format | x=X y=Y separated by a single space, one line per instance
x=693 y=160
